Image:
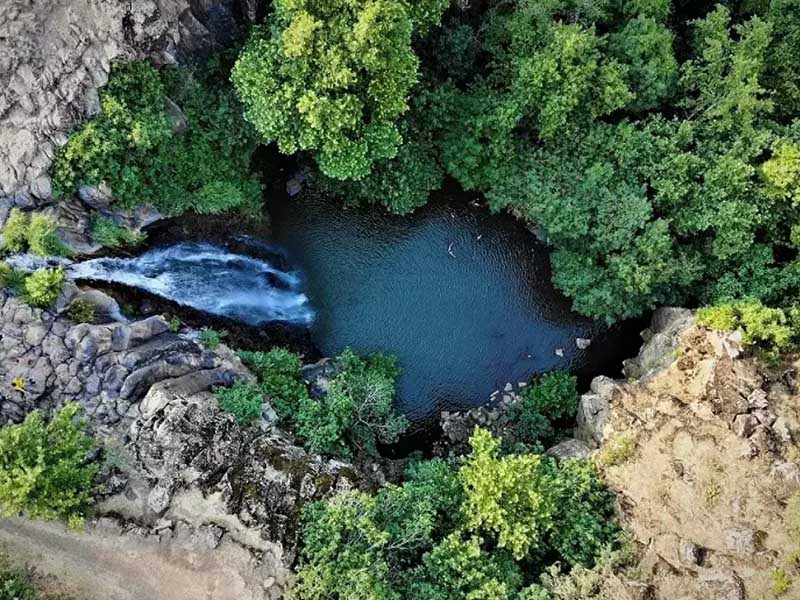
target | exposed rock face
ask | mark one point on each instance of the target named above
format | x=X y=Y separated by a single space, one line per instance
x=107 y=368
x=714 y=463
x=56 y=54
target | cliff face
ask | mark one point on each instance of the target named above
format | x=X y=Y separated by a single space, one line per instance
x=701 y=444
x=56 y=54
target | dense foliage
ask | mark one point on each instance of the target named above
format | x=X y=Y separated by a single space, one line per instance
x=484 y=528
x=767 y=331
x=354 y=415
x=45 y=471
x=108 y=233
x=36 y=233
x=333 y=77
x=42 y=287
x=163 y=138
x=656 y=144
x=545 y=403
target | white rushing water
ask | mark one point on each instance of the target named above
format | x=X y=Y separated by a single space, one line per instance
x=208 y=278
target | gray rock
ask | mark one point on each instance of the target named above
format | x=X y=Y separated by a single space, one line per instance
x=176 y=117
x=744 y=425
x=690 y=553
x=570 y=448
x=661 y=340
x=741 y=540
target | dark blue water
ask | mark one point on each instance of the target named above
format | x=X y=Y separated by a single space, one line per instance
x=463 y=298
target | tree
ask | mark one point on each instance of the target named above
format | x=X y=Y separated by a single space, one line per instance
x=333 y=78
x=507 y=498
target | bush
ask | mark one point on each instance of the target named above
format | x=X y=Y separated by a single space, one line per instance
x=42 y=287
x=131 y=145
x=357 y=411
x=107 y=233
x=36 y=233
x=210 y=338
x=243 y=400
x=12 y=278
x=44 y=467
x=15 y=231
x=278 y=371
x=43 y=237
x=769 y=332
x=545 y=402
x=82 y=311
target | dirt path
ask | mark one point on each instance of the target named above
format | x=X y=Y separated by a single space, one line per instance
x=102 y=564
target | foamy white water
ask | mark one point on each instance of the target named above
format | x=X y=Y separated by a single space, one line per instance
x=208 y=278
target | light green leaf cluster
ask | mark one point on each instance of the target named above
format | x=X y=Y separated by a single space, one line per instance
x=44 y=468
x=333 y=78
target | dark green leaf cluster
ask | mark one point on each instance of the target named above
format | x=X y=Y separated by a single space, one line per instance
x=243 y=400
x=545 y=403
x=482 y=529
x=355 y=414
x=108 y=233
x=164 y=139
x=44 y=468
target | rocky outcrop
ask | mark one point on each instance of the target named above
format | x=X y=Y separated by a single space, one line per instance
x=56 y=54
x=702 y=449
x=48 y=360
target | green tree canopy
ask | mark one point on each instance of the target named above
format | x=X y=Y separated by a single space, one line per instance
x=333 y=78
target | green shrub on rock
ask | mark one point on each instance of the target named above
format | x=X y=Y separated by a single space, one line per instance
x=544 y=403
x=243 y=400
x=42 y=287
x=44 y=470
x=357 y=411
x=278 y=371
x=107 y=233
x=15 y=231
x=37 y=233
x=768 y=331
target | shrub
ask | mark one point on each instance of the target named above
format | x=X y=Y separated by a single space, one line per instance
x=37 y=233
x=107 y=233
x=507 y=498
x=44 y=469
x=211 y=338
x=131 y=145
x=12 y=278
x=43 y=286
x=768 y=331
x=278 y=371
x=545 y=402
x=43 y=237
x=82 y=311
x=356 y=412
x=617 y=451
x=243 y=400
x=584 y=513
x=15 y=231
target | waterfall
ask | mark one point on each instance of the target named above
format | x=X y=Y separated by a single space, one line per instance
x=208 y=278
